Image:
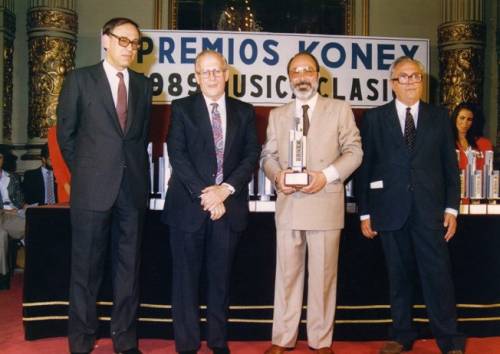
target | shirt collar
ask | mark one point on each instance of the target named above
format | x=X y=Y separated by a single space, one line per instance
x=401 y=107
x=111 y=70
x=221 y=102
x=310 y=102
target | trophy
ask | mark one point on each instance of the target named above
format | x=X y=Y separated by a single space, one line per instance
x=297 y=152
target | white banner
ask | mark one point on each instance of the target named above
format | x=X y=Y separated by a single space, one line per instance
x=352 y=68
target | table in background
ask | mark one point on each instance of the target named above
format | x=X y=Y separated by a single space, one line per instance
x=362 y=312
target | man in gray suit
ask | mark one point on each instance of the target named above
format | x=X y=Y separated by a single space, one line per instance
x=312 y=215
x=102 y=128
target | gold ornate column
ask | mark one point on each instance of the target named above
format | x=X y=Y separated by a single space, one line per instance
x=52 y=29
x=461 y=41
x=8 y=30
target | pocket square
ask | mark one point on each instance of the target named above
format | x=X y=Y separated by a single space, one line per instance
x=377 y=185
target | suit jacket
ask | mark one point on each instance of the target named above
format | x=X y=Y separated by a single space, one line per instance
x=426 y=178
x=96 y=150
x=333 y=139
x=34 y=186
x=191 y=151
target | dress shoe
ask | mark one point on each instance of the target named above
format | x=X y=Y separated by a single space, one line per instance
x=131 y=351
x=221 y=350
x=325 y=350
x=392 y=347
x=455 y=351
x=276 y=349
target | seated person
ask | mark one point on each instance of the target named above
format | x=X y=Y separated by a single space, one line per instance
x=39 y=184
x=11 y=201
x=468 y=128
x=61 y=170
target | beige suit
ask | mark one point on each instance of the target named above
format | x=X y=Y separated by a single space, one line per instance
x=312 y=219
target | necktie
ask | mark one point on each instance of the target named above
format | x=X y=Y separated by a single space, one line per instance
x=410 y=132
x=49 y=188
x=121 y=102
x=218 y=142
x=305 y=119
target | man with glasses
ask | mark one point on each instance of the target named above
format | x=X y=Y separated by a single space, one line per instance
x=102 y=129
x=408 y=192
x=310 y=216
x=213 y=149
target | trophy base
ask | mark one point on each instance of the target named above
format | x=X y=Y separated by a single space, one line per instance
x=476 y=207
x=493 y=209
x=296 y=179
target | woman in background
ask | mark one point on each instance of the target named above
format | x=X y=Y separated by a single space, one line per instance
x=468 y=124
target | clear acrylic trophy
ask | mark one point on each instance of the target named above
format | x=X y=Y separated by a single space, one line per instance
x=297 y=152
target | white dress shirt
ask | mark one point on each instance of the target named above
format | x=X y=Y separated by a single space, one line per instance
x=4 y=183
x=114 y=80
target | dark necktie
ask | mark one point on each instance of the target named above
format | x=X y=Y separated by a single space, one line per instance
x=410 y=131
x=121 y=102
x=305 y=119
x=218 y=141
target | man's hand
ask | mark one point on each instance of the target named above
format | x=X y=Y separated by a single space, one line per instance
x=217 y=212
x=366 y=229
x=280 y=183
x=213 y=196
x=318 y=181
x=450 y=223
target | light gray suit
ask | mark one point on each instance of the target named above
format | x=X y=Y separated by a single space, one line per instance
x=312 y=219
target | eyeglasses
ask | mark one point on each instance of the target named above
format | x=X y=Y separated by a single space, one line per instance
x=124 y=41
x=407 y=79
x=304 y=70
x=217 y=73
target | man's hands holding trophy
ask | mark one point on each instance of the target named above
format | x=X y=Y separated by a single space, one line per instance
x=297 y=177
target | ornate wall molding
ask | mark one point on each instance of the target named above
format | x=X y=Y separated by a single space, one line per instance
x=51 y=50
x=461 y=62
x=8 y=30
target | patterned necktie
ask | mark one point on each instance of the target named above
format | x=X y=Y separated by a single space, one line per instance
x=218 y=141
x=410 y=132
x=121 y=102
x=305 y=119
x=49 y=188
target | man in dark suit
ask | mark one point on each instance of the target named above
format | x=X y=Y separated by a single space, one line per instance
x=103 y=121
x=213 y=149
x=39 y=184
x=409 y=193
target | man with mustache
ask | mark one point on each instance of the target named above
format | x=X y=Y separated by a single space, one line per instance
x=311 y=216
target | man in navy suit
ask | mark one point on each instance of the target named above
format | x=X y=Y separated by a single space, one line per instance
x=38 y=184
x=408 y=189
x=213 y=149
x=102 y=128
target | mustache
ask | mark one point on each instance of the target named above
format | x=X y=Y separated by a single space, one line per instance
x=298 y=84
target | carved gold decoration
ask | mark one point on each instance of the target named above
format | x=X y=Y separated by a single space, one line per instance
x=461 y=31
x=64 y=21
x=461 y=62
x=51 y=49
x=8 y=31
x=8 y=68
x=50 y=59
x=461 y=76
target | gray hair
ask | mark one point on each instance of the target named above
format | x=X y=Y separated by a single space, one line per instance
x=406 y=59
x=206 y=52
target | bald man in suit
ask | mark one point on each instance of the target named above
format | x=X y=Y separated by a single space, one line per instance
x=312 y=216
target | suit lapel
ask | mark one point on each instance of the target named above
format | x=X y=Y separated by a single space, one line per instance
x=104 y=92
x=133 y=95
x=202 y=117
x=232 y=123
x=424 y=123
x=393 y=125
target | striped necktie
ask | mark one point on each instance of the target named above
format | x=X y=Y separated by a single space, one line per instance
x=218 y=141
